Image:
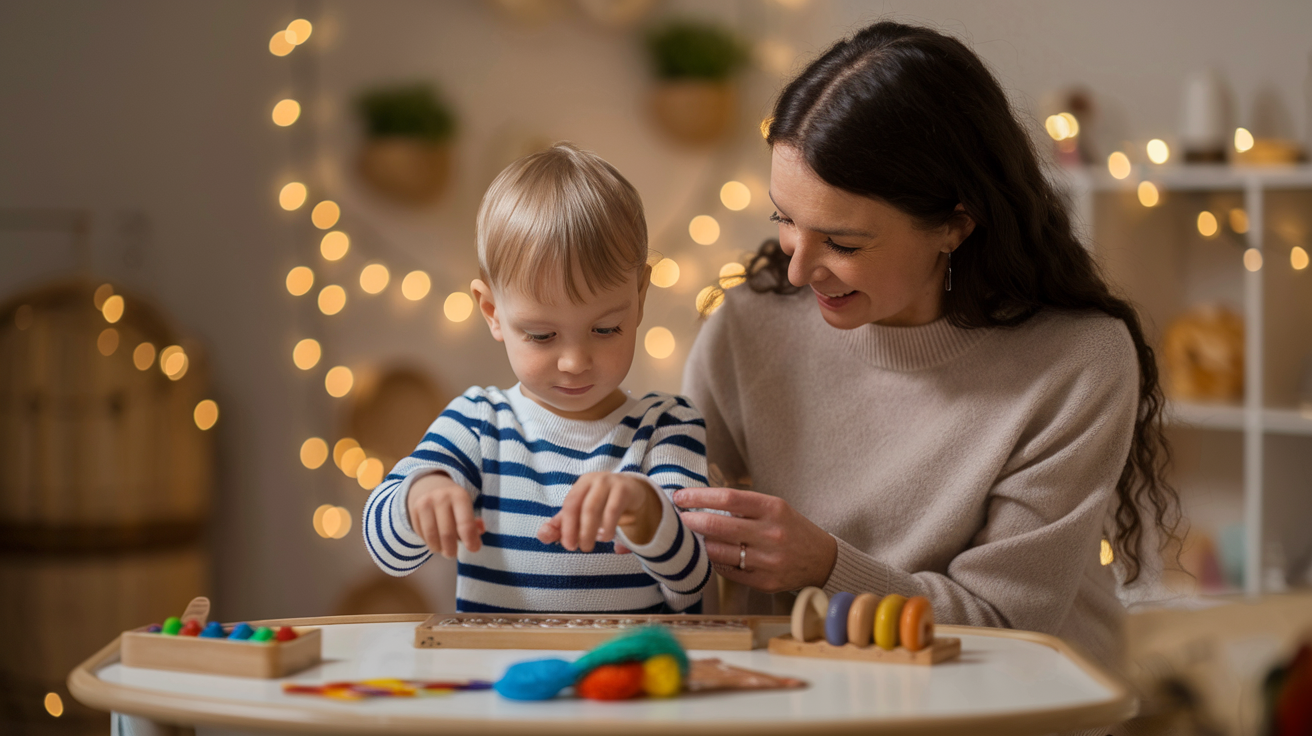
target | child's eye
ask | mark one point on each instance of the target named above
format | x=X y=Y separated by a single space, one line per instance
x=607 y=330
x=774 y=217
x=539 y=337
x=841 y=250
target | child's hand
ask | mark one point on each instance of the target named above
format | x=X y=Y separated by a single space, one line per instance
x=440 y=510
x=598 y=503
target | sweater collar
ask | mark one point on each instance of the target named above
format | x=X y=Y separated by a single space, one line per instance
x=911 y=348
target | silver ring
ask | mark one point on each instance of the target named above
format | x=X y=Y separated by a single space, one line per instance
x=742 y=556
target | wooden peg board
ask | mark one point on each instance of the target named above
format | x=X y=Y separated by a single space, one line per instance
x=942 y=650
x=222 y=656
x=569 y=631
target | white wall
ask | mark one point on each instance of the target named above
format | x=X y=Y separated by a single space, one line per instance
x=162 y=108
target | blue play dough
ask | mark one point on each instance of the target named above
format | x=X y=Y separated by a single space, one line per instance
x=538 y=679
x=213 y=630
x=836 y=621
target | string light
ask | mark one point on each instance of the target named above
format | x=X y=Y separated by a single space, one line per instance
x=1253 y=260
x=1243 y=140
x=206 y=414
x=299 y=280
x=338 y=381
x=54 y=704
x=280 y=45
x=286 y=112
x=416 y=285
x=374 y=278
x=103 y=292
x=325 y=214
x=306 y=354
x=708 y=300
x=314 y=453
x=1298 y=258
x=107 y=342
x=334 y=245
x=1207 y=225
x=332 y=298
x=370 y=473
x=1239 y=220
x=292 y=195
x=1062 y=126
x=665 y=273
x=458 y=306
x=298 y=31
x=144 y=356
x=340 y=449
x=1158 y=151
x=704 y=229
x=1118 y=165
x=331 y=522
x=1148 y=194
x=732 y=274
x=173 y=362
x=659 y=342
x=735 y=195
x=113 y=309
x=352 y=459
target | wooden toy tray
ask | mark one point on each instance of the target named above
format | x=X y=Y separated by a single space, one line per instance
x=943 y=649
x=568 y=631
x=222 y=656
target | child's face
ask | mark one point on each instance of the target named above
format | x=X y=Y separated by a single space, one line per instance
x=568 y=357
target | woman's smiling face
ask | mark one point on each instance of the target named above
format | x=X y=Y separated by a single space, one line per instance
x=866 y=260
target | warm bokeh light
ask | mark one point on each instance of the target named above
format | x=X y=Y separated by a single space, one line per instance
x=665 y=273
x=286 y=112
x=416 y=285
x=1253 y=259
x=1298 y=258
x=1105 y=555
x=735 y=195
x=340 y=449
x=334 y=245
x=1207 y=225
x=54 y=704
x=306 y=354
x=339 y=381
x=374 y=278
x=113 y=309
x=103 y=292
x=659 y=342
x=299 y=280
x=1062 y=126
x=370 y=473
x=352 y=459
x=280 y=45
x=1239 y=220
x=1158 y=151
x=708 y=300
x=1243 y=140
x=107 y=343
x=1148 y=195
x=732 y=274
x=318 y=519
x=325 y=214
x=144 y=356
x=458 y=306
x=173 y=362
x=765 y=127
x=1118 y=165
x=206 y=414
x=298 y=31
x=314 y=453
x=292 y=196
x=331 y=522
x=704 y=229
x=332 y=298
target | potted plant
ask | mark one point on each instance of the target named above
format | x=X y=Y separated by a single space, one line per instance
x=694 y=100
x=406 y=154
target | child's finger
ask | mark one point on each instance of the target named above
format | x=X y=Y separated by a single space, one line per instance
x=594 y=507
x=427 y=528
x=621 y=549
x=549 y=532
x=616 y=505
x=466 y=528
x=446 y=531
x=569 y=516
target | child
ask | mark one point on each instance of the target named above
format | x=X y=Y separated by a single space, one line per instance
x=546 y=483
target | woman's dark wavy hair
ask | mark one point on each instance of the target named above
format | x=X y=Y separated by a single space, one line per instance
x=912 y=117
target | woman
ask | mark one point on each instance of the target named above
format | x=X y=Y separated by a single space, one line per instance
x=956 y=407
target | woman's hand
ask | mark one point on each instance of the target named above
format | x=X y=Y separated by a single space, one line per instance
x=785 y=551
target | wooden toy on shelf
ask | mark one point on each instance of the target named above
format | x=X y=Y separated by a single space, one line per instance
x=188 y=644
x=866 y=628
x=577 y=631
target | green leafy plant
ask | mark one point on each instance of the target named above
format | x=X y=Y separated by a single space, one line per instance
x=688 y=49
x=411 y=111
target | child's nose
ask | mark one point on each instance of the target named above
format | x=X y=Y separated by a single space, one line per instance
x=573 y=361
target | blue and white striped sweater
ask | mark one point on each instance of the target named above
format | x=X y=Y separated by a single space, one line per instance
x=518 y=460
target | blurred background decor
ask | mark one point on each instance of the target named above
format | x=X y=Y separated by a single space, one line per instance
x=1204 y=354
x=405 y=154
x=694 y=101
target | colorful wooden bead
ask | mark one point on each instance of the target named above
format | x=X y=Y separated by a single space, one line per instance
x=836 y=620
x=612 y=682
x=241 y=632
x=191 y=628
x=285 y=633
x=172 y=625
x=916 y=625
x=887 y=618
x=154 y=629
x=861 y=619
x=809 y=610
x=264 y=633
x=661 y=677
x=213 y=630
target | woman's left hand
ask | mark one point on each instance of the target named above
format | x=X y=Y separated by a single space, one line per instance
x=784 y=550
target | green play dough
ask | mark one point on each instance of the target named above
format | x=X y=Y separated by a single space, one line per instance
x=638 y=646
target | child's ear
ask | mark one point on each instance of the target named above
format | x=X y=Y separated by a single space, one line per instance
x=644 y=281
x=487 y=306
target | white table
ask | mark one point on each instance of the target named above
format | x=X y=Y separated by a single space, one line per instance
x=1005 y=682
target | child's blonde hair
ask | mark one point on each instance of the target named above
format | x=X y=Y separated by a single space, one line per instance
x=557 y=211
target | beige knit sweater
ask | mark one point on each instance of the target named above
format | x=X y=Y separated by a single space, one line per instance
x=974 y=467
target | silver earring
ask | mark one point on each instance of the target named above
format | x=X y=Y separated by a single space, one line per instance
x=947 y=280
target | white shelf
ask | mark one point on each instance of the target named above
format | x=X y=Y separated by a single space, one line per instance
x=1230 y=418
x=1189 y=177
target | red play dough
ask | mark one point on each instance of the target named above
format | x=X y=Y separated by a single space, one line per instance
x=612 y=682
